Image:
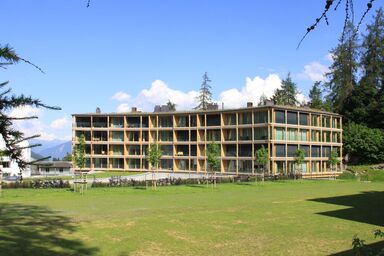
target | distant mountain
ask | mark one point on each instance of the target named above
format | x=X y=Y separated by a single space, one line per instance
x=45 y=144
x=36 y=156
x=57 y=151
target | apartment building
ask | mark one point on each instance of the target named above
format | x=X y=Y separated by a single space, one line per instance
x=119 y=141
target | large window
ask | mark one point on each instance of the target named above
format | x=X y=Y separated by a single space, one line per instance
x=303 y=119
x=245 y=118
x=315 y=120
x=280 y=150
x=292 y=117
x=261 y=133
x=303 y=135
x=280 y=133
x=315 y=151
x=291 y=134
x=305 y=148
x=326 y=152
x=260 y=117
x=280 y=117
x=245 y=134
x=213 y=120
x=291 y=150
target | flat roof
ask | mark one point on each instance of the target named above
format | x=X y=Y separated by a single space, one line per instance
x=192 y=111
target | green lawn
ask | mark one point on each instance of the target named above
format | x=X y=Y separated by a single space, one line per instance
x=280 y=218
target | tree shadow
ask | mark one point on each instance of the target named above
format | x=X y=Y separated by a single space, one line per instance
x=366 y=207
x=36 y=230
x=369 y=249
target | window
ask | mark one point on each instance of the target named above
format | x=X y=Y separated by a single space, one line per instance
x=303 y=135
x=280 y=134
x=292 y=118
x=315 y=151
x=291 y=134
x=261 y=133
x=326 y=151
x=306 y=150
x=303 y=119
x=291 y=150
x=315 y=135
x=280 y=117
x=260 y=117
x=280 y=150
x=47 y=170
x=315 y=120
x=61 y=170
x=5 y=164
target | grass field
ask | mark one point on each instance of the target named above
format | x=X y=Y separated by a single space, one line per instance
x=279 y=218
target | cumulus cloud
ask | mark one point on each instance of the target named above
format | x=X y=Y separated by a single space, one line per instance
x=159 y=93
x=314 y=71
x=123 y=108
x=121 y=96
x=32 y=127
x=60 y=123
x=251 y=92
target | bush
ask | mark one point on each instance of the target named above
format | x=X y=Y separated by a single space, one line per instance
x=58 y=183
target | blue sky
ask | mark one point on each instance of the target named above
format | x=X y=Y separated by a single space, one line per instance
x=119 y=54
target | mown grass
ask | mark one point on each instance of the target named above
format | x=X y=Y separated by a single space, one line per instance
x=274 y=218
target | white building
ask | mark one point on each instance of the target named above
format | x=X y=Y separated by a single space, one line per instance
x=10 y=167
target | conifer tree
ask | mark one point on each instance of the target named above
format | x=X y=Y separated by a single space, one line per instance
x=12 y=137
x=315 y=95
x=287 y=94
x=205 y=94
x=342 y=75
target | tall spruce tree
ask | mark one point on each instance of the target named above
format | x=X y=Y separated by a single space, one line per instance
x=315 y=95
x=342 y=75
x=11 y=136
x=364 y=104
x=205 y=94
x=287 y=94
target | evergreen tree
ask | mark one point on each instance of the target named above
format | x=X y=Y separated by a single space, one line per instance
x=11 y=136
x=315 y=96
x=287 y=94
x=363 y=106
x=171 y=105
x=205 y=95
x=342 y=75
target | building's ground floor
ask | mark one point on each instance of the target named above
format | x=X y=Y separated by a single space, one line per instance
x=243 y=165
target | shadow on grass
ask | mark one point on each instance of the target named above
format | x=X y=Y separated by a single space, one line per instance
x=366 y=207
x=36 y=230
x=369 y=249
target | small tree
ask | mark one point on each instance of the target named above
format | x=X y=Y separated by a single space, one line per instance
x=171 y=105
x=153 y=157
x=262 y=158
x=213 y=153
x=205 y=95
x=79 y=153
x=333 y=159
x=299 y=160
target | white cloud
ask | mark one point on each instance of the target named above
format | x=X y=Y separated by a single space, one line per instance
x=121 y=96
x=251 y=92
x=159 y=93
x=123 y=108
x=61 y=123
x=32 y=127
x=314 y=71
